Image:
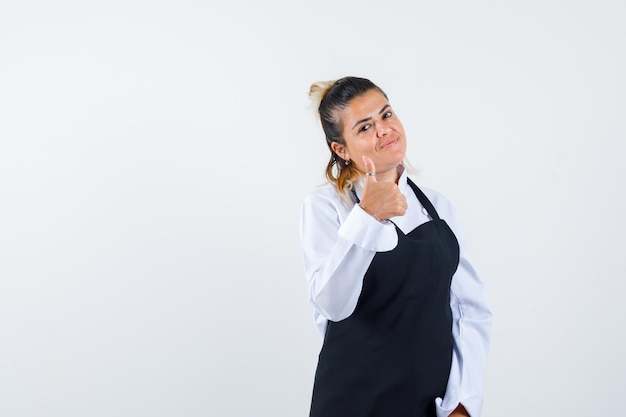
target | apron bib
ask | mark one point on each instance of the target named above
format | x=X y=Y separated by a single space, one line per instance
x=392 y=356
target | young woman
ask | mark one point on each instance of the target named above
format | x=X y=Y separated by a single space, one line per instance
x=404 y=315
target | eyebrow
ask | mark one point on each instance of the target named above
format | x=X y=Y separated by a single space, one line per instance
x=369 y=118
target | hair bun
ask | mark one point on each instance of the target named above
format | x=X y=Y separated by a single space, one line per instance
x=317 y=92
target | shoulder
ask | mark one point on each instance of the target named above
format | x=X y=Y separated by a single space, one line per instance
x=325 y=199
x=323 y=206
x=326 y=191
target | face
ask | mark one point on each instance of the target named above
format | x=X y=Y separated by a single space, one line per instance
x=371 y=128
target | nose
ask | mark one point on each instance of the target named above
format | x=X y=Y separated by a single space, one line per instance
x=381 y=130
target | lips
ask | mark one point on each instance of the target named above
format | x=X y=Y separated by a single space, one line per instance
x=389 y=143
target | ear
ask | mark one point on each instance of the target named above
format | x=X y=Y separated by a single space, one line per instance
x=341 y=150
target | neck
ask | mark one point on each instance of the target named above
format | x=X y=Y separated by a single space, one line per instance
x=393 y=175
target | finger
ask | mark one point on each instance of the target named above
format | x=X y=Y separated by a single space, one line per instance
x=370 y=169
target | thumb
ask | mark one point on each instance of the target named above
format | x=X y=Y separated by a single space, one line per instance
x=370 y=169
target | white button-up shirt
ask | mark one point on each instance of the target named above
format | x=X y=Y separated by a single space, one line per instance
x=340 y=240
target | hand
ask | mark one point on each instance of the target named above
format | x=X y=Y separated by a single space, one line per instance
x=382 y=200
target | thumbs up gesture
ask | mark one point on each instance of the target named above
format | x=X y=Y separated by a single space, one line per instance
x=382 y=200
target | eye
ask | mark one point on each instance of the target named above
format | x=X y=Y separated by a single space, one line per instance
x=387 y=115
x=365 y=128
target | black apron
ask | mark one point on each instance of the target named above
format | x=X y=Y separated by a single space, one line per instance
x=392 y=356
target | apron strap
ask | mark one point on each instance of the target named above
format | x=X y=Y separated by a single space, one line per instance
x=424 y=200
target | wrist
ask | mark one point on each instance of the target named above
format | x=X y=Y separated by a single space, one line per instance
x=368 y=211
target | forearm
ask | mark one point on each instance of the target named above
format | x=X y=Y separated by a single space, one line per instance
x=334 y=288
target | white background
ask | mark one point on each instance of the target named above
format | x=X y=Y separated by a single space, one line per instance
x=154 y=156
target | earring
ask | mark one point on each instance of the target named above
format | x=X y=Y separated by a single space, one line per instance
x=347 y=163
